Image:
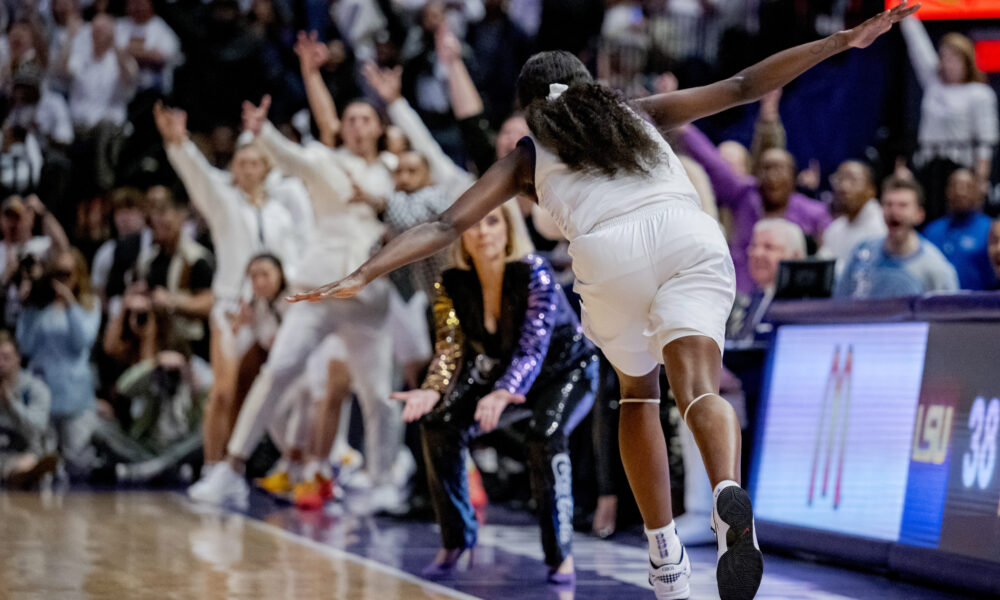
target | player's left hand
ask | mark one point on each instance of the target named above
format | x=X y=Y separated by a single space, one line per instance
x=864 y=34
x=347 y=287
x=492 y=405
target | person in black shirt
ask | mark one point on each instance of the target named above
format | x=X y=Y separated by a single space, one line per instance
x=178 y=273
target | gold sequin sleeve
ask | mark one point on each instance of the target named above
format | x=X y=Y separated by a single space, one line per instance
x=449 y=344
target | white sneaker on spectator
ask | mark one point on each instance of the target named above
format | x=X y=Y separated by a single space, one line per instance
x=672 y=581
x=403 y=468
x=221 y=486
x=387 y=498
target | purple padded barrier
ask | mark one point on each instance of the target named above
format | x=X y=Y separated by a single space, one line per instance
x=965 y=306
x=889 y=310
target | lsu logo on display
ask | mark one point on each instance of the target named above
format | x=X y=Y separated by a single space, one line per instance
x=930 y=457
x=932 y=433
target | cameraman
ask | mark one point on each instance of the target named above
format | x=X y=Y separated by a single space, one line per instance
x=24 y=421
x=20 y=251
x=164 y=396
x=56 y=330
x=133 y=334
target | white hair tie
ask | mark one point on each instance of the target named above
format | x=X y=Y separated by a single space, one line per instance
x=556 y=90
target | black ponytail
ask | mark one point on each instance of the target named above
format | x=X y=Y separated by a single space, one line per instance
x=589 y=126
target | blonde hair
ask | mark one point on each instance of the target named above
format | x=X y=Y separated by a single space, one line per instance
x=967 y=50
x=81 y=291
x=518 y=241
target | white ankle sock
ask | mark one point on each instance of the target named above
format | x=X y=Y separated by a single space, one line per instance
x=664 y=545
x=722 y=485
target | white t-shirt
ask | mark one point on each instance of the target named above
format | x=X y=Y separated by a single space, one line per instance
x=155 y=35
x=843 y=236
x=97 y=91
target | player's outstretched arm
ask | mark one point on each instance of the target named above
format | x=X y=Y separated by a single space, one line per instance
x=510 y=176
x=683 y=106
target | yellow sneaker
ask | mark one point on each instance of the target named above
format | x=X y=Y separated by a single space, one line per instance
x=277 y=484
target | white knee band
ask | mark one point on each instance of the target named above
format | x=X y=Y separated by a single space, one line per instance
x=688 y=409
x=639 y=401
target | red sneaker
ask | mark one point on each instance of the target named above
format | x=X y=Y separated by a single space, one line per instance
x=477 y=494
x=312 y=495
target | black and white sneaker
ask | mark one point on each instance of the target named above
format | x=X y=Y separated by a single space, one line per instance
x=672 y=581
x=741 y=564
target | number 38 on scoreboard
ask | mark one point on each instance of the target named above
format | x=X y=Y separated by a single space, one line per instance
x=979 y=461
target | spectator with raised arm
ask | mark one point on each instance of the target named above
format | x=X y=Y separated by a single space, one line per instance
x=770 y=193
x=444 y=173
x=425 y=79
x=244 y=220
x=343 y=184
x=500 y=47
x=962 y=233
x=958 y=115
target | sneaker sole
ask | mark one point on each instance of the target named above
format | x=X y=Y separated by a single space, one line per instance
x=741 y=567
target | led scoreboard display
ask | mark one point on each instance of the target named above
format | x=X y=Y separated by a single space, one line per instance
x=955 y=9
x=885 y=431
x=962 y=356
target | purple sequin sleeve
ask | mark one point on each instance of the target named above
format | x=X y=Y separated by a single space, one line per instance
x=536 y=333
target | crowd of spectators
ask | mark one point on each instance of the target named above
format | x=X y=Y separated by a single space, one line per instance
x=114 y=271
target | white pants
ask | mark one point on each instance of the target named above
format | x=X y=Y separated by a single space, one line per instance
x=219 y=316
x=366 y=347
x=291 y=426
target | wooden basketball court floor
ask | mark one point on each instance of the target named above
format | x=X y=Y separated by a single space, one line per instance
x=147 y=544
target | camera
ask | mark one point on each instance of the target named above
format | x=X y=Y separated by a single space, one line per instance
x=41 y=293
x=166 y=381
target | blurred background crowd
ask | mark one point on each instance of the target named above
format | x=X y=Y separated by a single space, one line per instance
x=113 y=262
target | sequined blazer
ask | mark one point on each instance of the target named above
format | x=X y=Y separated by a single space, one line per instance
x=539 y=337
